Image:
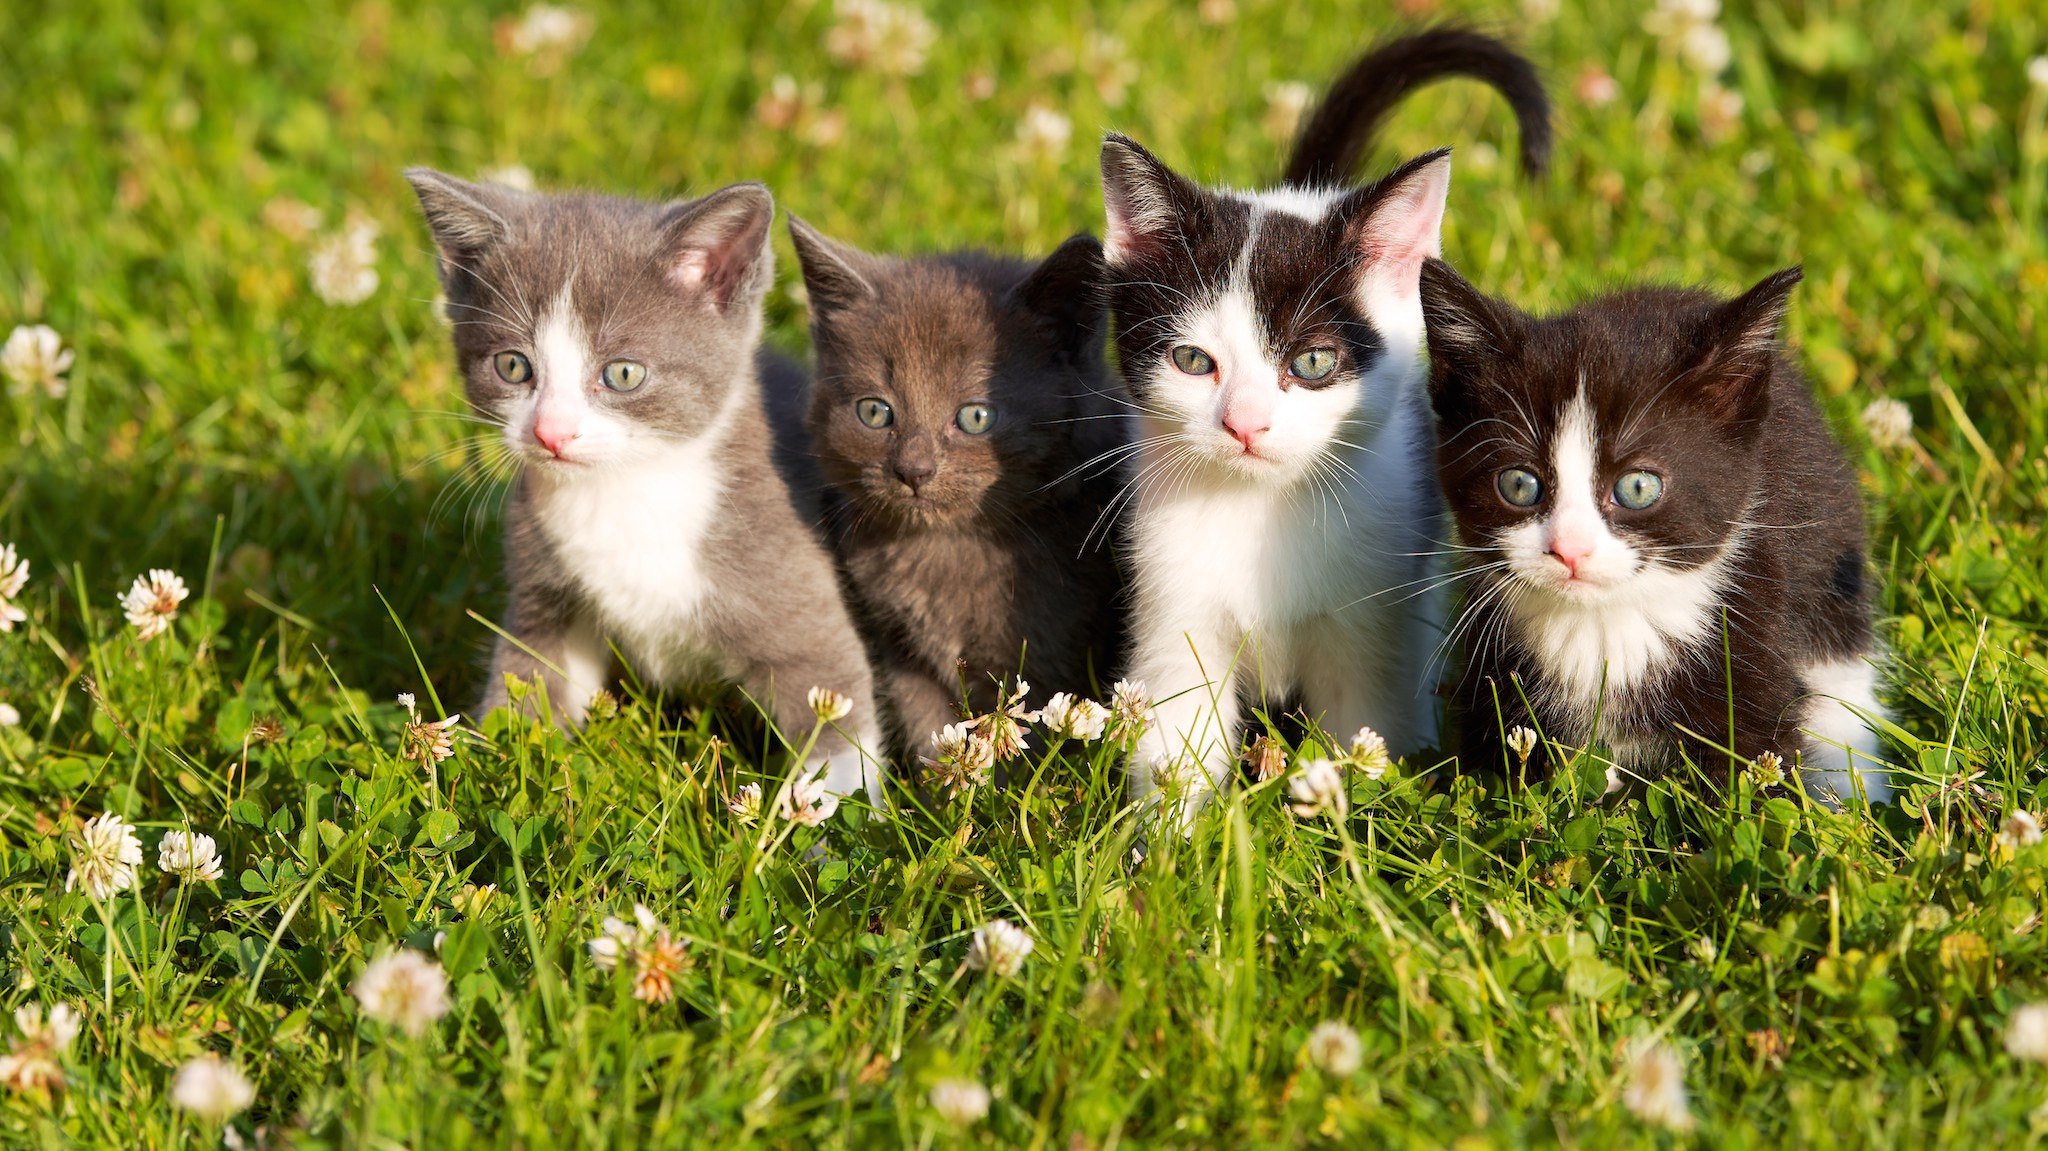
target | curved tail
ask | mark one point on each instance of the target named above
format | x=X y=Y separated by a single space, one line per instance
x=1336 y=137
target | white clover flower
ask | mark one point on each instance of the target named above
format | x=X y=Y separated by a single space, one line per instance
x=31 y=1063
x=745 y=803
x=8 y=716
x=999 y=947
x=961 y=759
x=1656 y=1085
x=961 y=1102
x=151 y=602
x=293 y=219
x=806 y=801
x=1369 y=754
x=1071 y=718
x=35 y=357
x=192 y=858
x=1720 y=112
x=1888 y=423
x=828 y=705
x=1043 y=132
x=517 y=177
x=1318 y=789
x=1596 y=88
x=655 y=955
x=549 y=33
x=1111 y=67
x=2037 y=71
x=1267 y=757
x=1287 y=102
x=1004 y=727
x=2026 y=1033
x=892 y=39
x=13 y=577
x=1705 y=47
x=1522 y=741
x=105 y=853
x=344 y=265
x=1334 y=1048
x=2020 y=829
x=403 y=989
x=1767 y=769
x=212 y=1088
x=426 y=742
x=618 y=938
x=1130 y=709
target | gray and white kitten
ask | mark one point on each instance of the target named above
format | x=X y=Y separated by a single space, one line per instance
x=616 y=345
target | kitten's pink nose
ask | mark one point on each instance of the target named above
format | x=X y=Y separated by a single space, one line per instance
x=915 y=472
x=1571 y=552
x=555 y=435
x=1247 y=427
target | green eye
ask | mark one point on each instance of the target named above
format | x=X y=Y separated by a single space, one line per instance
x=874 y=413
x=513 y=368
x=1519 y=487
x=974 y=419
x=623 y=375
x=1314 y=364
x=1192 y=360
x=1638 y=490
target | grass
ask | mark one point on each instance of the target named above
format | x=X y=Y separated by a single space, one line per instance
x=1829 y=978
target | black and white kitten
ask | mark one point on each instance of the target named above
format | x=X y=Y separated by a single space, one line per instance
x=955 y=399
x=616 y=345
x=1284 y=512
x=1657 y=523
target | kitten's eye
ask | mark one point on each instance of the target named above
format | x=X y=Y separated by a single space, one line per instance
x=513 y=368
x=974 y=419
x=1314 y=364
x=623 y=375
x=1192 y=360
x=874 y=413
x=1638 y=490
x=1520 y=487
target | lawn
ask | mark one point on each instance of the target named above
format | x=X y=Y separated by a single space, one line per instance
x=192 y=194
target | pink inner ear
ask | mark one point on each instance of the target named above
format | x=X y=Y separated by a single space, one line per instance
x=691 y=270
x=1408 y=228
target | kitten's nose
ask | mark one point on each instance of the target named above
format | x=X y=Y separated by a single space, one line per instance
x=915 y=472
x=1570 y=552
x=1247 y=428
x=555 y=437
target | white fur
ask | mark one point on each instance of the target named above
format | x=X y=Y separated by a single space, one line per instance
x=1842 y=752
x=1299 y=566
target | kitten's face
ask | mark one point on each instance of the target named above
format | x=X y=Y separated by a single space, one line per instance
x=1259 y=332
x=597 y=331
x=948 y=387
x=1586 y=452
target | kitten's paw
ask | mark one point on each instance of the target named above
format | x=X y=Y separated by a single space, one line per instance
x=847 y=772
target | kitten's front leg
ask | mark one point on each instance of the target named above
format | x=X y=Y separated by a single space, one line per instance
x=1194 y=676
x=922 y=706
x=1354 y=676
x=570 y=659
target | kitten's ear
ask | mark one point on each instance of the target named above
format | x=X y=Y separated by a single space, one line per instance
x=1463 y=325
x=1066 y=289
x=1397 y=222
x=466 y=218
x=1142 y=198
x=1738 y=344
x=832 y=270
x=719 y=244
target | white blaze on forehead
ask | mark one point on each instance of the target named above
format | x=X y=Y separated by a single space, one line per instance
x=562 y=367
x=1575 y=454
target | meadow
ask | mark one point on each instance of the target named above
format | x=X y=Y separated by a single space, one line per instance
x=202 y=201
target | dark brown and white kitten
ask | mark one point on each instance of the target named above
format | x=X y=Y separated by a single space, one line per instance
x=1651 y=504
x=1284 y=511
x=615 y=343
x=956 y=398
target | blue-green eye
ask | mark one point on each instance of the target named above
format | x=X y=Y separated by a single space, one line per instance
x=1192 y=360
x=974 y=419
x=623 y=375
x=1519 y=487
x=1314 y=364
x=874 y=413
x=513 y=368
x=1638 y=490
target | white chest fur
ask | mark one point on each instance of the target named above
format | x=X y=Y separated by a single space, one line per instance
x=632 y=539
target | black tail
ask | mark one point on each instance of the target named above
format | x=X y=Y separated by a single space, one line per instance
x=1335 y=140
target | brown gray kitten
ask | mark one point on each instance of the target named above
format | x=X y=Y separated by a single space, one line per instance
x=616 y=345
x=958 y=398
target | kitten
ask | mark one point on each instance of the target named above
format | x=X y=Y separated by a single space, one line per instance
x=1283 y=506
x=1650 y=500
x=615 y=345
x=956 y=398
